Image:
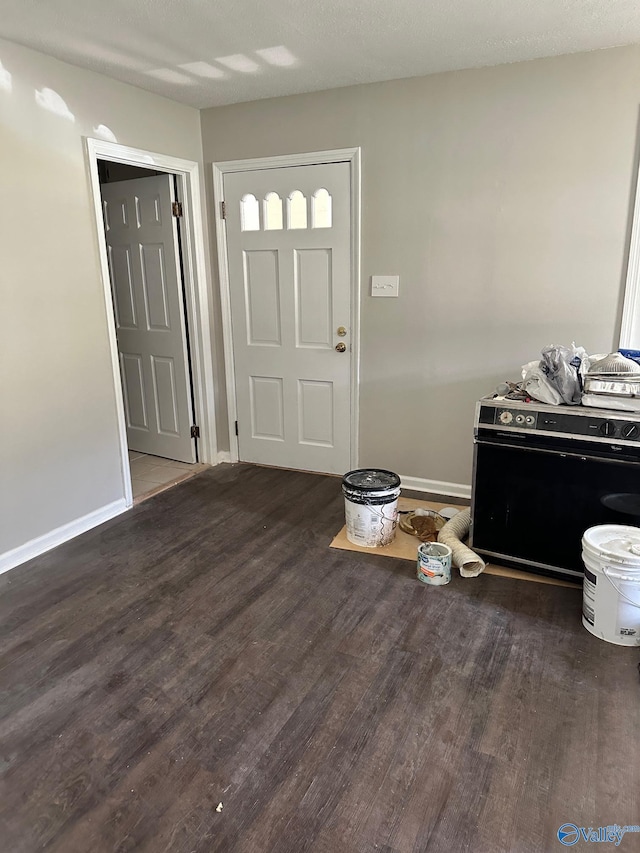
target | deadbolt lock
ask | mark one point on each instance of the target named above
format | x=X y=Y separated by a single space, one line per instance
x=341 y=347
x=341 y=332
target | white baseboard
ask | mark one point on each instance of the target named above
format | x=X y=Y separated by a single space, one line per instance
x=35 y=547
x=437 y=487
x=223 y=456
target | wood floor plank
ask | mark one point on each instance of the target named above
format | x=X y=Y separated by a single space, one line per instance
x=209 y=646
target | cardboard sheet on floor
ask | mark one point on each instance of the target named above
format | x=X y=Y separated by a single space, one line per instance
x=405 y=547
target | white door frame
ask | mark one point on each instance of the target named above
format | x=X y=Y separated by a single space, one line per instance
x=196 y=290
x=342 y=155
x=631 y=305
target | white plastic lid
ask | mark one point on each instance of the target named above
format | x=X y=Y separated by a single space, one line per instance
x=619 y=543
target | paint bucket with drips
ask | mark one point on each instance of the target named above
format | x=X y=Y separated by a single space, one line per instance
x=371 y=506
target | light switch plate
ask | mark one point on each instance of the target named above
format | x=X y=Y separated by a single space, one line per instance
x=385 y=285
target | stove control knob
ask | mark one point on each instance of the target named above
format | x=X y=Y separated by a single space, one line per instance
x=506 y=417
x=608 y=428
x=530 y=420
x=519 y=419
x=630 y=431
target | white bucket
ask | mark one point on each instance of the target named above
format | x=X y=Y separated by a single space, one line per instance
x=371 y=506
x=611 y=591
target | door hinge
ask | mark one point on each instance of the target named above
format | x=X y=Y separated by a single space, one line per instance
x=176 y=208
x=236 y=427
x=223 y=210
x=195 y=431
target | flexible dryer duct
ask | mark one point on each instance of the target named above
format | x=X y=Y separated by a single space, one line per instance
x=469 y=563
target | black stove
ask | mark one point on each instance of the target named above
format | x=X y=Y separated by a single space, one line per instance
x=544 y=474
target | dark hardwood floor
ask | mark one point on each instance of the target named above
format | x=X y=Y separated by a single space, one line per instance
x=209 y=646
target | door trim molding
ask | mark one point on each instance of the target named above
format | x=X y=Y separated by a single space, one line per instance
x=196 y=289
x=315 y=158
x=631 y=296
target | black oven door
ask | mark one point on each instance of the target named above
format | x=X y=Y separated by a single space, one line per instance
x=534 y=496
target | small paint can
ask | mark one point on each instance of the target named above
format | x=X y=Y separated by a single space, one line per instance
x=434 y=563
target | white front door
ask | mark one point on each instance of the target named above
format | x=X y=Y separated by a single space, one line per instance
x=289 y=252
x=146 y=282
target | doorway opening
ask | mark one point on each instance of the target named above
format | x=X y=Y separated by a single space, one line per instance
x=152 y=257
x=141 y=216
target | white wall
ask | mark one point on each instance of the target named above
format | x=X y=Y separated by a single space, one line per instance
x=501 y=197
x=59 y=453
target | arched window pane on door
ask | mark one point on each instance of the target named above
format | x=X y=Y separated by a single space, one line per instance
x=321 y=209
x=272 y=207
x=296 y=210
x=249 y=213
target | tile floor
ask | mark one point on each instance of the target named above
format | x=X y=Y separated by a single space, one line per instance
x=151 y=474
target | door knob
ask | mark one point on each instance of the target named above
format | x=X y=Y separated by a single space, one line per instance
x=341 y=347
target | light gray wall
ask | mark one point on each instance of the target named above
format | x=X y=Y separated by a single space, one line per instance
x=501 y=197
x=59 y=453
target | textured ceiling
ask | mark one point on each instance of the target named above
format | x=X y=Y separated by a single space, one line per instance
x=211 y=52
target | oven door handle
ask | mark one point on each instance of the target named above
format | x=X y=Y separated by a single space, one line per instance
x=583 y=456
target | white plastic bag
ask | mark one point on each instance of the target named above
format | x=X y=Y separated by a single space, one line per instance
x=536 y=384
x=565 y=368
